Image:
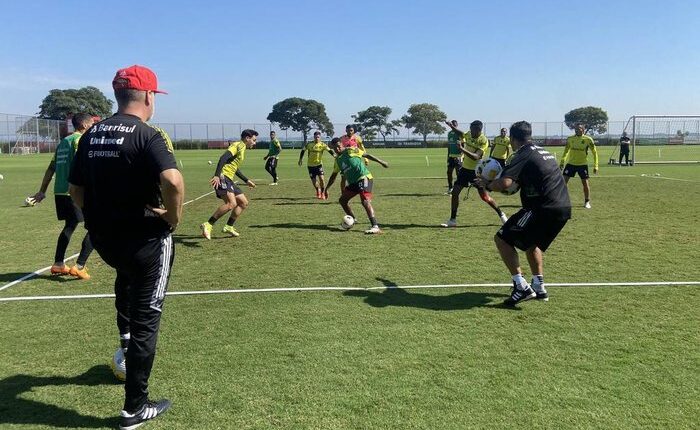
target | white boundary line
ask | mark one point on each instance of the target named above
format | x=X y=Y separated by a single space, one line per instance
x=40 y=271
x=311 y=289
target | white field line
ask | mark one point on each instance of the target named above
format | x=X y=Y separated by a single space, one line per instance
x=311 y=289
x=40 y=271
x=666 y=178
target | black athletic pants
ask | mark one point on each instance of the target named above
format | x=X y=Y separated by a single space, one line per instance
x=271 y=167
x=624 y=153
x=143 y=270
x=64 y=240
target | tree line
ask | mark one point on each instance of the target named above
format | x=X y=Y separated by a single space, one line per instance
x=307 y=115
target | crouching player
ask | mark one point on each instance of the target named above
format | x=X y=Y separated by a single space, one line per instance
x=546 y=209
x=222 y=182
x=350 y=163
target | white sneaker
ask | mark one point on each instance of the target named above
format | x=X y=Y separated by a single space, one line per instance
x=273 y=183
x=503 y=217
x=587 y=205
x=374 y=230
x=448 y=192
x=449 y=223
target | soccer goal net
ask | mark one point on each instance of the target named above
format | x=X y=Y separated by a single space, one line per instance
x=658 y=139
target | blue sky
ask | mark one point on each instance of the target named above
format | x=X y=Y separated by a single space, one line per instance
x=491 y=60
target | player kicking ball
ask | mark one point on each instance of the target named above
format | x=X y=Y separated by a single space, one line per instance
x=350 y=163
x=222 y=182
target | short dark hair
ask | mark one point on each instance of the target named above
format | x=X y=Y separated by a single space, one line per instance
x=350 y=126
x=124 y=96
x=335 y=141
x=80 y=120
x=317 y=133
x=521 y=131
x=478 y=124
x=273 y=132
x=248 y=133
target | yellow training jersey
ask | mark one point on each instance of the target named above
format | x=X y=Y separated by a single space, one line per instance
x=472 y=145
x=315 y=150
x=237 y=149
x=576 y=151
x=501 y=148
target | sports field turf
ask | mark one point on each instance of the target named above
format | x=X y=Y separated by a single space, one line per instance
x=593 y=357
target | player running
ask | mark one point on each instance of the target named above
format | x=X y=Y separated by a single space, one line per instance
x=315 y=163
x=473 y=145
x=222 y=182
x=575 y=160
x=273 y=155
x=350 y=162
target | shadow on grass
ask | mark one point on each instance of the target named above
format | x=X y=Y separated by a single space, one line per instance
x=15 y=409
x=291 y=199
x=325 y=227
x=396 y=296
x=318 y=202
x=432 y=226
x=410 y=195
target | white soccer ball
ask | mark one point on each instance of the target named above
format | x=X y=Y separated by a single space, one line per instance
x=347 y=222
x=1 y=177
x=118 y=364
x=29 y=201
x=489 y=169
x=209 y=162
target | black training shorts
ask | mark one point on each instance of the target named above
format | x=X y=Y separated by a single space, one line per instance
x=315 y=171
x=465 y=177
x=454 y=162
x=570 y=170
x=67 y=210
x=227 y=186
x=530 y=227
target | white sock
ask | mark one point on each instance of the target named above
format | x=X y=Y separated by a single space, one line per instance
x=538 y=283
x=520 y=282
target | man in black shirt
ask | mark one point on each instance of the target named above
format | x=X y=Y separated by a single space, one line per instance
x=624 y=149
x=125 y=178
x=546 y=209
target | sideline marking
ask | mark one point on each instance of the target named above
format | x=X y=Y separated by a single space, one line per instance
x=391 y=287
x=40 y=271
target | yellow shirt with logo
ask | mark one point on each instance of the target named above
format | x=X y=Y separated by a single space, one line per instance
x=576 y=151
x=501 y=148
x=237 y=149
x=472 y=145
x=315 y=150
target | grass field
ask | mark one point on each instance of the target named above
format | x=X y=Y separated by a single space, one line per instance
x=448 y=358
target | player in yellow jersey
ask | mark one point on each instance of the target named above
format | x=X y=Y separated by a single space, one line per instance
x=501 y=149
x=222 y=182
x=315 y=163
x=473 y=144
x=575 y=160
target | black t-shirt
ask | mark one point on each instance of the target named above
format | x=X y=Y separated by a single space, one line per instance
x=625 y=141
x=118 y=162
x=542 y=185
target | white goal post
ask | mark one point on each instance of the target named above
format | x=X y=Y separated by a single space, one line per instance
x=662 y=139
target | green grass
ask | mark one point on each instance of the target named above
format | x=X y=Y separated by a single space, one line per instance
x=622 y=357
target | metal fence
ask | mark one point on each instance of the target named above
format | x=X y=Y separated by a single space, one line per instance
x=43 y=135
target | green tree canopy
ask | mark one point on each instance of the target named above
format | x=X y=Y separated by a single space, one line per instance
x=592 y=118
x=60 y=104
x=375 y=119
x=301 y=115
x=425 y=119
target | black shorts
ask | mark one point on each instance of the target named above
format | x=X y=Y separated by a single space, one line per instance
x=363 y=188
x=271 y=163
x=227 y=186
x=67 y=210
x=570 y=170
x=315 y=171
x=530 y=227
x=454 y=163
x=465 y=177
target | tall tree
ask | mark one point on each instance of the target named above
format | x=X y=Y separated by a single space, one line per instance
x=60 y=104
x=301 y=115
x=593 y=118
x=425 y=119
x=375 y=119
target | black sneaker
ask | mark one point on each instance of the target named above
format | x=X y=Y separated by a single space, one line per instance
x=149 y=411
x=542 y=295
x=517 y=296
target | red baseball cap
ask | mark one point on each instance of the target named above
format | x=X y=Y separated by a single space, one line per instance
x=136 y=78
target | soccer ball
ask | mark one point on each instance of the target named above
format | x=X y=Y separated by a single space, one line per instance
x=209 y=162
x=514 y=188
x=489 y=169
x=29 y=201
x=118 y=364
x=347 y=222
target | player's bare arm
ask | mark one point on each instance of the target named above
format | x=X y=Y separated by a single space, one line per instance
x=375 y=159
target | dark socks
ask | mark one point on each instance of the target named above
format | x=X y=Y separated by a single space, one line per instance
x=85 y=250
x=230 y=221
x=212 y=220
x=63 y=240
x=373 y=221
